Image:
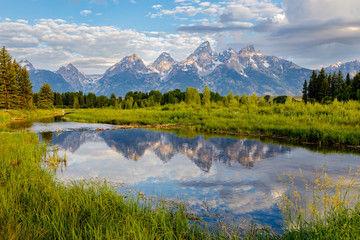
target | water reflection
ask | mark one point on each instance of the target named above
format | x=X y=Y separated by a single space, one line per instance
x=236 y=177
x=133 y=144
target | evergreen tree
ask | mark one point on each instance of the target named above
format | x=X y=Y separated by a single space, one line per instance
x=58 y=100
x=8 y=81
x=305 y=92
x=348 y=80
x=46 y=97
x=323 y=86
x=206 y=96
x=113 y=100
x=355 y=83
x=91 y=100
x=312 y=88
x=339 y=83
x=24 y=87
x=333 y=83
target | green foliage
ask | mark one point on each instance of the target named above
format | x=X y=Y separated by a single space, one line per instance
x=333 y=123
x=46 y=97
x=206 y=96
x=305 y=92
x=323 y=208
x=192 y=96
x=76 y=103
x=112 y=100
x=280 y=99
x=243 y=99
x=8 y=81
x=35 y=206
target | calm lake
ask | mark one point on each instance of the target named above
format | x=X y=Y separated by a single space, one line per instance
x=232 y=176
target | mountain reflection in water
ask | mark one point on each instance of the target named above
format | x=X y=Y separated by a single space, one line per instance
x=236 y=177
x=132 y=144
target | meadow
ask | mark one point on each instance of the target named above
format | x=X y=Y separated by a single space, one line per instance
x=336 y=123
x=34 y=205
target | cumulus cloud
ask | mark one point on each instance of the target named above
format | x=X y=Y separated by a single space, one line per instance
x=85 y=12
x=313 y=33
x=51 y=43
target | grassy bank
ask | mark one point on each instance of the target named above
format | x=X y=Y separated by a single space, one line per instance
x=35 y=206
x=336 y=123
x=323 y=208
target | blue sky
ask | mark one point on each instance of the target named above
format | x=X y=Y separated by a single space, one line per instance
x=94 y=34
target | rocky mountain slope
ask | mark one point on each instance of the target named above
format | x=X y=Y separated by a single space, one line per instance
x=247 y=71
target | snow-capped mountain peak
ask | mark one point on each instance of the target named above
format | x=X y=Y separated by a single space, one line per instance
x=249 y=51
x=227 y=54
x=24 y=63
x=204 y=48
x=163 y=63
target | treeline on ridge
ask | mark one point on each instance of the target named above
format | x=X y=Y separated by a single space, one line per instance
x=324 y=88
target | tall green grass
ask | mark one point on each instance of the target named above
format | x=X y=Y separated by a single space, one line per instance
x=35 y=206
x=336 y=123
x=324 y=208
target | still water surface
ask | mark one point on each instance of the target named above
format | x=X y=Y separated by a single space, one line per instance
x=235 y=177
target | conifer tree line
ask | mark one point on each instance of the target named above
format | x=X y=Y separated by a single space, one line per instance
x=323 y=87
x=15 y=84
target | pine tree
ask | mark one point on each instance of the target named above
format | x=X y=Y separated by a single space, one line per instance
x=355 y=83
x=305 y=92
x=24 y=87
x=58 y=100
x=322 y=85
x=348 y=80
x=46 y=97
x=312 y=90
x=113 y=100
x=333 y=79
x=206 y=96
x=8 y=81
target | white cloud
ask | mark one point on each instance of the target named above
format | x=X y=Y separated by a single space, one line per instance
x=157 y=6
x=51 y=43
x=312 y=33
x=21 y=21
x=85 y=12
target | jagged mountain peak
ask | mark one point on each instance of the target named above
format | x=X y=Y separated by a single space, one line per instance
x=71 y=66
x=163 y=63
x=132 y=58
x=248 y=49
x=203 y=48
x=164 y=57
x=25 y=63
x=227 y=54
x=129 y=63
x=349 y=67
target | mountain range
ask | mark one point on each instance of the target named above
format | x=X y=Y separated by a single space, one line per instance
x=241 y=71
